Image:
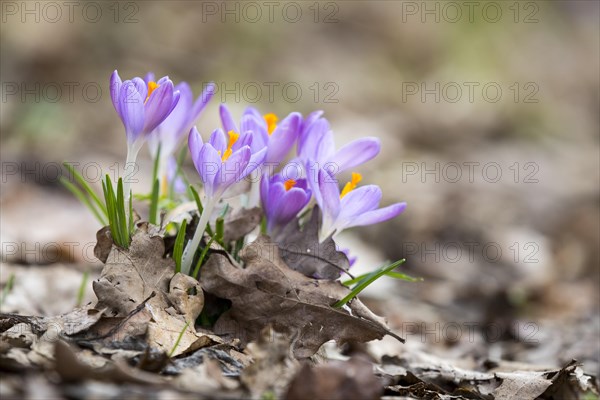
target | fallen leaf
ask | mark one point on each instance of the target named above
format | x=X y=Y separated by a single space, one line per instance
x=104 y=244
x=301 y=251
x=267 y=292
x=273 y=366
x=186 y=294
x=336 y=380
x=240 y=223
x=130 y=276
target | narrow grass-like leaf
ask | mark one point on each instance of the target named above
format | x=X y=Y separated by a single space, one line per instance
x=84 y=199
x=7 y=288
x=122 y=215
x=130 y=214
x=220 y=230
x=200 y=207
x=391 y=274
x=109 y=197
x=197 y=199
x=179 y=245
x=82 y=286
x=366 y=281
x=152 y=218
x=155 y=189
x=404 y=277
x=202 y=256
x=81 y=180
x=178 y=339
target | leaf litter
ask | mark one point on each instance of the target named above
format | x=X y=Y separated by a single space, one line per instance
x=142 y=336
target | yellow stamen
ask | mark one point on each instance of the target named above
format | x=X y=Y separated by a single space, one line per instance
x=271 y=120
x=152 y=86
x=356 y=177
x=290 y=183
x=233 y=137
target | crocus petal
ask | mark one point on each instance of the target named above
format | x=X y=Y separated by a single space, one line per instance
x=195 y=145
x=289 y=206
x=312 y=117
x=149 y=77
x=227 y=119
x=159 y=105
x=115 y=90
x=259 y=131
x=232 y=169
x=283 y=138
x=377 y=216
x=131 y=110
x=140 y=86
x=209 y=168
x=254 y=112
x=265 y=184
x=256 y=160
x=325 y=151
x=356 y=153
x=330 y=194
x=309 y=140
x=218 y=141
x=359 y=201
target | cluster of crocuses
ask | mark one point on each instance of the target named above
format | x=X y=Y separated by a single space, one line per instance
x=161 y=113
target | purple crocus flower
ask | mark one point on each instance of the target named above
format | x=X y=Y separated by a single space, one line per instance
x=266 y=132
x=316 y=151
x=278 y=138
x=282 y=200
x=352 y=207
x=171 y=131
x=142 y=107
x=221 y=162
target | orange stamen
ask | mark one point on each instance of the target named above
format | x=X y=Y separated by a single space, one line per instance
x=271 y=120
x=152 y=86
x=290 y=183
x=233 y=137
x=356 y=177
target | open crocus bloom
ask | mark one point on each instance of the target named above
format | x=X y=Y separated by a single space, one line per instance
x=142 y=105
x=171 y=131
x=352 y=207
x=223 y=160
x=266 y=132
x=220 y=162
x=282 y=200
x=278 y=138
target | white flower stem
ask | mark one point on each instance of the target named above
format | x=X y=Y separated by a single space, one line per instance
x=190 y=249
x=132 y=153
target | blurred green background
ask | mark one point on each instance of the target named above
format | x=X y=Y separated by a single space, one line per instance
x=457 y=91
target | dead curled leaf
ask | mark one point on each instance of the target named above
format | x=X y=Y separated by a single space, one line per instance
x=139 y=285
x=301 y=251
x=130 y=276
x=268 y=292
x=426 y=376
x=343 y=380
x=240 y=223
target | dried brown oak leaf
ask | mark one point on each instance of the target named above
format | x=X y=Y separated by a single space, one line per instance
x=130 y=276
x=267 y=292
x=240 y=223
x=301 y=250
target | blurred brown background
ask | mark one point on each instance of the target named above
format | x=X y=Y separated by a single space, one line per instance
x=487 y=111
